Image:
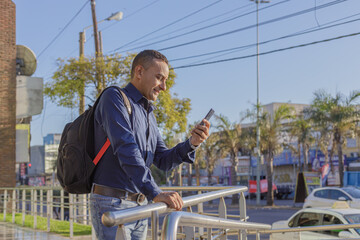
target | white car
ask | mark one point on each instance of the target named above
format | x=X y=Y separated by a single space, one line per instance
x=327 y=196
x=316 y=217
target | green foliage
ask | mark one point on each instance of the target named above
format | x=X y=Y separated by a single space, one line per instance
x=56 y=226
x=88 y=76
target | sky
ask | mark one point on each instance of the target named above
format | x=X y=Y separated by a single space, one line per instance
x=183 y=29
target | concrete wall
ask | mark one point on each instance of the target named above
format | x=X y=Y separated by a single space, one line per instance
x=7 y=93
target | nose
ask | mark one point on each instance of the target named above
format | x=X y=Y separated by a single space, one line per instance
x=163 y=85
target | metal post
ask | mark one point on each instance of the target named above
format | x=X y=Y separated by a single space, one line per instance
x=154 y=225
x=81 y=54
x=35 y=209
x=31 y=202
x=23 y=206
x=13 y=205
x=48 y=209
x=5 y=203
x=62 y=205
x=200 y=211
x=257 y=235
x=71 y=214
x=41 y=198
x=222 y=214
x=121 y=233
x=51 y=204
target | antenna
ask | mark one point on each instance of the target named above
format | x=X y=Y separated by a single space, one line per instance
x=25 y=61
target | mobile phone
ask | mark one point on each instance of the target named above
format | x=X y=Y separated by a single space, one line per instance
x=208 y=116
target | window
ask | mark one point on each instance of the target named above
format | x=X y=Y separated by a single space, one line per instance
x=330 y=220
x=355 y=193
x=308 y=219
x=322 y=194
x=336 y=194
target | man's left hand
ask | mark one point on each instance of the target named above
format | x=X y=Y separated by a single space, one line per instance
x=200 y=133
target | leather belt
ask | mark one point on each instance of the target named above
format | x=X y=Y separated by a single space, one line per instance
x=118 y=193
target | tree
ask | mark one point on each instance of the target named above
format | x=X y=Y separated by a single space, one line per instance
x=230 y=143
x=271 y=141
x=76 y=77
x=212 y=152
x=301 y=129
x=341 y=115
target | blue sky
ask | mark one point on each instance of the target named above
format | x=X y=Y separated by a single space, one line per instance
x=228 y=87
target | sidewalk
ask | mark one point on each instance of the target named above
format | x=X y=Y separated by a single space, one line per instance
x=9 y=231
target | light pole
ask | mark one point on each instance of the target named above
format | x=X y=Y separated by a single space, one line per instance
x=258 y=153
x=98 y=49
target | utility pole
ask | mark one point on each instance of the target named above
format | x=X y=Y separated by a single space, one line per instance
x=258 y=152
x=81 y=55
x=100 y=84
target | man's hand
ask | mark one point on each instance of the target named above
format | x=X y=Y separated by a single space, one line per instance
x=200 y=133
x=172 y=199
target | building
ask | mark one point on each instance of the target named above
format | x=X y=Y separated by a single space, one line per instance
x=51 y=145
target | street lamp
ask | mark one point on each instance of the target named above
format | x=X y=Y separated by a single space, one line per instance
x=98 y=49
x=259 y=160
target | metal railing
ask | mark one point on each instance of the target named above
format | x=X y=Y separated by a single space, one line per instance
x=119 y=218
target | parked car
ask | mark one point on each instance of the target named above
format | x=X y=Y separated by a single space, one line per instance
x=327 y=196
x=317 y=217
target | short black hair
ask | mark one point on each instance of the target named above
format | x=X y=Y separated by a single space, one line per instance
x=145 y=57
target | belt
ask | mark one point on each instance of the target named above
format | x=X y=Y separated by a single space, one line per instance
x=118 y=193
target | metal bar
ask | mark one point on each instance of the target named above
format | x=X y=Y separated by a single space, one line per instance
x=47 y=209
x=200 y=211
x=222 y=214
x=116 y=218
x=71 y=214
x=120 y=233
x=5 y=203
x=41 y=202
x=23 y=206
x=62 y=205
x=51 y=204
x=154 y=225
x=175 y=219
x=35 y=208
x=13 y=205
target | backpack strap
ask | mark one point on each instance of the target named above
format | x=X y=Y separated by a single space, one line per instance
x=107 y=143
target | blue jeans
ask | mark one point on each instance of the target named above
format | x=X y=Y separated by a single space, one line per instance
x=100 y=204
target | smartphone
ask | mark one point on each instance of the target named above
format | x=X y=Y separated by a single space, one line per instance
x=208 y=116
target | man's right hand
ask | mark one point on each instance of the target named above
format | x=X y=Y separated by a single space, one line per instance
x=172 y=199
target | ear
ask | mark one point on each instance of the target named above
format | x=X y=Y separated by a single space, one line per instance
x=139 y=71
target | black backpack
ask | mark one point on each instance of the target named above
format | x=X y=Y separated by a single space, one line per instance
x=76 y=160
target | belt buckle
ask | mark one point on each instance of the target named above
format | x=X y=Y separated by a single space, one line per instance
x=140 y=198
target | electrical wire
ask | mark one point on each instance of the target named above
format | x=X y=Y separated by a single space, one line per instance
x=251 y=26
x=194 y=24
x=310 y=30
x=203 y=28
x=58 y=35
x=170 y=24
x=269 y=52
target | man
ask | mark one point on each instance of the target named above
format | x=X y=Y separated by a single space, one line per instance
x=122 y=178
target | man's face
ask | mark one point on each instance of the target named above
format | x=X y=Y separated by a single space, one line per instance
x=153 y=79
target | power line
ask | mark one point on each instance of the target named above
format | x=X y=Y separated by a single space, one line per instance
x=172 y=23
x=205 y=27
x=251 y=26
x=269 y=52
x=275 y=39
x=58 y=35
x=194 y=24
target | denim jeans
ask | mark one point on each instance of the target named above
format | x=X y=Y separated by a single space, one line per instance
x=100 y=204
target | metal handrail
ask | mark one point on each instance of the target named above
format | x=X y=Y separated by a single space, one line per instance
x=312 y=228
x=115 y=218
x=175 y=219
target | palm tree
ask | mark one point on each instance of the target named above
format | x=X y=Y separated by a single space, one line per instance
x=342 y=115
x=301 y=129
x=271 y=141
x=212 y=152
x=230 y=143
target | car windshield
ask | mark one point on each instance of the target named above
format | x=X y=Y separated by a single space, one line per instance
x=355 y=193
x=353 y=218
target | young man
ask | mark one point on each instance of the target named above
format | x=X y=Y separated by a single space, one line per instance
x=122 y=178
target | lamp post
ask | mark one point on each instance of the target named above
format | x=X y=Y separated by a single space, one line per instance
x=258 y=153
x=98 y=49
